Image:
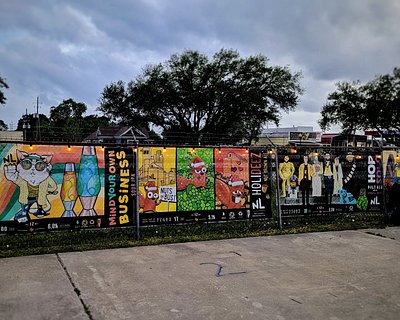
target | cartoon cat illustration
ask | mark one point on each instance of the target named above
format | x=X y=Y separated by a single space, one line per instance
x=31 y=174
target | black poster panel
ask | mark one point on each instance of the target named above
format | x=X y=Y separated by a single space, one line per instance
x=120 y=186
x=260 y=184
x=329 y=182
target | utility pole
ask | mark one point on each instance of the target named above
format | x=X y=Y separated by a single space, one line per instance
x=25 y=124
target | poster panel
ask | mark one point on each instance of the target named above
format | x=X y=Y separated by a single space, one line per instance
x=53 y=187
x=157 y=184
x=232 y=186
x=260 y=184
x=195 y=181
x=120 y=186
x=391 y=178
x=329 y=182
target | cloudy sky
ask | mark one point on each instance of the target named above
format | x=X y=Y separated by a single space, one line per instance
x=59 y=49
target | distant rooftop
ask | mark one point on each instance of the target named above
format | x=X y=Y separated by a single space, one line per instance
x=288 y=129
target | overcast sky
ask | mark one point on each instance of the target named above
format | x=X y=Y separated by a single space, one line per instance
x=56 y=50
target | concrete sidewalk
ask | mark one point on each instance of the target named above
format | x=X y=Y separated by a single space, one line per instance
x=330 y=275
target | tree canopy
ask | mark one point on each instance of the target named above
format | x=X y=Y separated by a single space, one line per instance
x=66 y=122
x=192 y=97
x=3 y=85
x=374 y=105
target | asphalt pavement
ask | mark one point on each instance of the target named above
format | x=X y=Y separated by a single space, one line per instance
x=327 y=275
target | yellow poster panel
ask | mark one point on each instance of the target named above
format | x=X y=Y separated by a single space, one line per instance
x=157 y=179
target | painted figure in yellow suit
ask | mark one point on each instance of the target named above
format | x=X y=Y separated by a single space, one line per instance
x=305 y=175
x=286 y=170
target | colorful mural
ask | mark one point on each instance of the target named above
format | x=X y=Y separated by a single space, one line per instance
x=232 y=178
x=391 y=177
x=202 y=185
x=157 y=179
x=195 y=179
x=330 y=182
x=54 y=187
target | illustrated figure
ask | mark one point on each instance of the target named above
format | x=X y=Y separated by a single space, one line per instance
x=286 y=170
x=305 y=175
x=151 y=200
x=32 y=175
x=328 y=179
x=346 y=197
x=231 y=194
x=397 y=169
x=198 y=176
x=337 y=176
x=316 y=178
x=293 y=189
x=350 y=175
x=393 y=204
x=390 y=167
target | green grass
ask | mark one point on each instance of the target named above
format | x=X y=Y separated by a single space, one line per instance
x=69 y=241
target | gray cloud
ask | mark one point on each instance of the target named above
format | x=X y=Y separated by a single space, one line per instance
x=73 y=49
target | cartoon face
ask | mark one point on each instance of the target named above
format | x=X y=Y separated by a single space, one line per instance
x=33 y=168
x=151 y=191
x=152 y=195
x=200 y=171
x=350 y=158
x=237 y=196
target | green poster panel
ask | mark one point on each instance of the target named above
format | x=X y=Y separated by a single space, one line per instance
x=195 y=179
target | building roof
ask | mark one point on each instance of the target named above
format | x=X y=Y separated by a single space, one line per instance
x=287 y=129
x=121 y=132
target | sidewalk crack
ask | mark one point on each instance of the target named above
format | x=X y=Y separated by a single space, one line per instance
x=76 y=290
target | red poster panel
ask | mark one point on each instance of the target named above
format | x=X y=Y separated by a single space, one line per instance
x=232 y=178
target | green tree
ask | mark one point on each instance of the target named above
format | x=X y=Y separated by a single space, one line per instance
x=66 y=110
x=32 y=128
x=345 y=107
x=374 y=105
x=382 y=102
x=92 y=122
x=66 y=121
x=3 y=126
x=191 y=97
x=3 y=85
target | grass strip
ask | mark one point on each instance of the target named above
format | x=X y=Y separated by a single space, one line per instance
x=83 y=240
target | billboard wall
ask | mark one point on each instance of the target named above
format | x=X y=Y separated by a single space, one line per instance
x=53 y=187
x=189 y=185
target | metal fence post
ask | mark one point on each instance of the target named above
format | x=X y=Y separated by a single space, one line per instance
x=278 y=190
x=137 y=192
